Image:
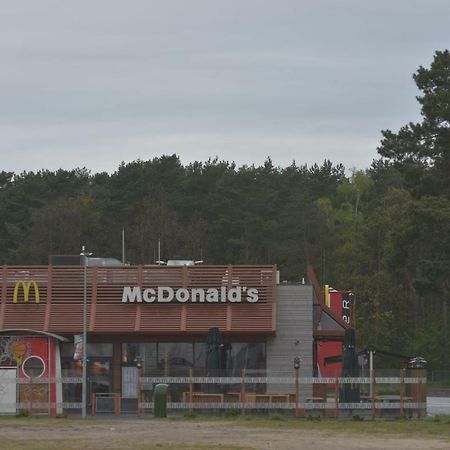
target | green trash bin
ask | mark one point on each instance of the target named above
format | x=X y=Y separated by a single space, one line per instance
x=160 y=400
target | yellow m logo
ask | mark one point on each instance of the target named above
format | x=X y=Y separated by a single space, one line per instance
x=26 y=285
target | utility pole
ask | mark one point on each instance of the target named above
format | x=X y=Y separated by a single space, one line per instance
x=85 y=256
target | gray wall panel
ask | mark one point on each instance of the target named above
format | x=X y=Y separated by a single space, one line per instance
x=294 y=323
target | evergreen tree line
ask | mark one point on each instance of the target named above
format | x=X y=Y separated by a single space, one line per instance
x=383 y=232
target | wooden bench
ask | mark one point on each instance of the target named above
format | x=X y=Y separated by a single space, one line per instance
x=386 y=399
x=235 y=397
x=271 y=398
x=203 y=397
x=315 y=399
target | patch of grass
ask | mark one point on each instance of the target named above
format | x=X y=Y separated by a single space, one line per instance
x=437 y=427
x=232 y=412
x=77 y=444
x=40 y=444
x=438 y=384
x=193 y=446
x=429 y=427
x=439 y=419
x=247 y=418
x=426 y=428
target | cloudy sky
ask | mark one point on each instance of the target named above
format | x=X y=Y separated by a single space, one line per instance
x=94 y=83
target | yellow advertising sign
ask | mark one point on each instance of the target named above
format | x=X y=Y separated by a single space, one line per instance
x=327 y=296
x=26 y=285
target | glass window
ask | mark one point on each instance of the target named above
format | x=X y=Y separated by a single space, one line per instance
x=129 y=353
x=100 y=350
x=146 y=352
x=33 y=367
x=99 y=377
x=199 y=357
x=67 y=349
x=93 y=349
x=175 y=358
x=250 y=355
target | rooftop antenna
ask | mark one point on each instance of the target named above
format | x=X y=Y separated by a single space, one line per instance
x=159 y=262
x=123 y=245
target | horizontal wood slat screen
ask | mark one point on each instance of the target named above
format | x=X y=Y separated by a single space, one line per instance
x=62 y=288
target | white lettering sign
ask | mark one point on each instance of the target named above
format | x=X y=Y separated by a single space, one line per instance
x=165 y=294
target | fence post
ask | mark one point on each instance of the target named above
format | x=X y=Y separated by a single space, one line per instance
x=190 y=388
x=31 y=397
x=336 y=397
x=242 y=395
x=421 y=393
x=93 y=399
x=117 y=404
x=139 y=391
x=402 y=393
x=372 y=390
x=297 y=393
x=49 y=397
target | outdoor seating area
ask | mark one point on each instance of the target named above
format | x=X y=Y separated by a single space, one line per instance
x=237 y=397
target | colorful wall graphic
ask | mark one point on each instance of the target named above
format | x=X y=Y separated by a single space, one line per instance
x=34 y=360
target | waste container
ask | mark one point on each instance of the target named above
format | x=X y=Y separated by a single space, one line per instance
x=160 y=400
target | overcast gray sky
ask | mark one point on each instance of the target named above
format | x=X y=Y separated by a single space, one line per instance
x=93 y=83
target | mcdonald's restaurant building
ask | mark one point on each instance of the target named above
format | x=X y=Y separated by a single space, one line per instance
x=157 y=316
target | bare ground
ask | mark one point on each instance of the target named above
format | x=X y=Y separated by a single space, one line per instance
x=161 y=434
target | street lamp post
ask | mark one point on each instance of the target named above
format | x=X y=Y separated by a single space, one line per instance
x=297 y=387
x=84 y=374
x=138 y=362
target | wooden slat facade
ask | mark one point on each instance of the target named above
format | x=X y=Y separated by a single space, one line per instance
x=60 y=309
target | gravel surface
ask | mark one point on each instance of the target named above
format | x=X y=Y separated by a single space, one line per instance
x=130 y=434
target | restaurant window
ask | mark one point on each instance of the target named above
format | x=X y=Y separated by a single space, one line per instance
x=100 y=372
x=99 y=349
x=175 y=358
x=246 y=355
x=145 y=353
x=250 y=356
x=200 y=358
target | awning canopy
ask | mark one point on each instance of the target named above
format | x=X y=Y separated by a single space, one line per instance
x=31 y=331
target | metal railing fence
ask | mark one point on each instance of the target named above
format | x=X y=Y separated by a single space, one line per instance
x=37 y=395
x=255 y=391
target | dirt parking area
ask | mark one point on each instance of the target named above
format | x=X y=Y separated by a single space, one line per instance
x=143 y=434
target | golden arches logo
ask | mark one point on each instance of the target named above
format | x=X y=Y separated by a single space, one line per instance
x=26 y=286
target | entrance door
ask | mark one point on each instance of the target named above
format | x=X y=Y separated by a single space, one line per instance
x=129 y=389
x=8 y=390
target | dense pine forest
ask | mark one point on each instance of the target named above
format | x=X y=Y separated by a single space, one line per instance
x=383 y=232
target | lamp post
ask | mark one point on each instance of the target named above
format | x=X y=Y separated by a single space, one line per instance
x=297 y=387
x=84 y=374
x=138 y=361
